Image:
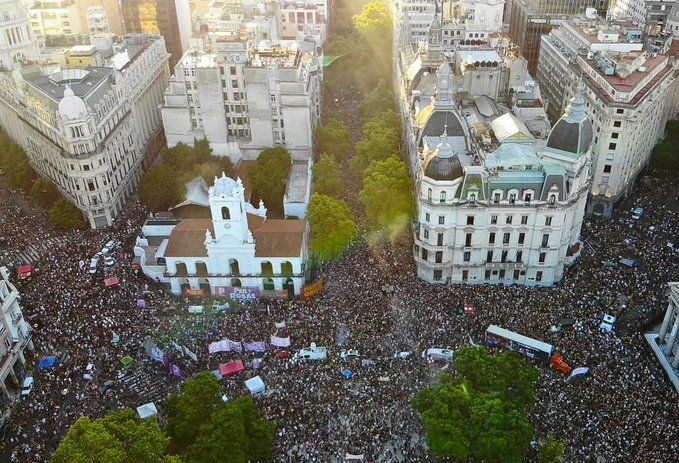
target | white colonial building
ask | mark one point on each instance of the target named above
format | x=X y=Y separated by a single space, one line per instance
x=630 y=94
x=90 y=129
x=216 y=241
x=495 y=205
x=15 y=337
x=243 y=97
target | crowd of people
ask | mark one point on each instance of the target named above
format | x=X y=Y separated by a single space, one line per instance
x=625 y=410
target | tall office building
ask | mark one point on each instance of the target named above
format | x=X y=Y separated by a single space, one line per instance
x=169 y=18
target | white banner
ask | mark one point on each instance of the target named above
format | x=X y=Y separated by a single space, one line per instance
x=190 y=354
x=280 y=342
x=219 y=346
x=280 y=325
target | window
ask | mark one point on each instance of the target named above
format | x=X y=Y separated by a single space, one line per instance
x=443 y=197
x=491 y=238
x=508 y=221
x=493 y=220
x=426 y=234
x=232 y=70
x=465 y=275
x=425 y=254
x=496 y=198
x=472 y=198
x=505 y=238
x=524 y=220
x=272 y=98
x=617 y=123
x=538 y=276
x=503 y=258
x=442 y=219
x=512 y=198
x=620 y=111
x=615 y=135
x=427 y=217
x=552 y=199
x=489 y=256
x=605 y=178
x=430 y=192
x=522 y=238
x=607 y=168
x=516 y=274
x=467 y=256
x=545 y=240
x=610 y=156
x=487 y=276
x=439 y=257
x=519 y=256
x=468 y=240
x=470 y=220
x=528 y=198
x=543 y=256
x=502 y=274
x=438 y=274
x=548 y=221
x=612 y=146
x=439 y=240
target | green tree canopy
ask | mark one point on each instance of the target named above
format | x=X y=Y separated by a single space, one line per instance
x=377 y=102
x=665 y=157
x=333 y=138
x=14 y=163
x=387 y=195
x=379 y=143
x=474 y=415
x=44 y=194
x=269 y=174
x=198 y=400
x=65 y=215
x=159 y=189
x=374 y=15
x=332 y=228
x=552 y=451
x=327 y=180
x=120 y=437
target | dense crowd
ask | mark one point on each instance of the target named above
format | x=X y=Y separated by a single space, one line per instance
x=625 y=410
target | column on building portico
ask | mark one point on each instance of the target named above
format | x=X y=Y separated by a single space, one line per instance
x=673 y=337
x=175 y=287
x=666 y=323
x=193 y=283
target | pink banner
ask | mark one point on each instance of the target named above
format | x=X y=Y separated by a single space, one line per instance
x=280 y=342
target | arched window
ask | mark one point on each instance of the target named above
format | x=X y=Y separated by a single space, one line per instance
x=429 y=194
x=226 y=214
x=443 y=196
x=552 y=199
x=267 y=268
x=472 y=198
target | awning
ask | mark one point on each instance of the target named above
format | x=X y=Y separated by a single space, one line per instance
x=112 y=282
x=147 y=410
x=47 y=363
x=232 y=368
x=25 y=271
x=255 y=385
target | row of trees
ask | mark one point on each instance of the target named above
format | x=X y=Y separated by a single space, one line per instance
x=481 y=412
x=201 y=429
x=665 y=158
x=42 y=192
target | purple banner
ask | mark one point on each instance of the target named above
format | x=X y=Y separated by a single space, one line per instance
x=244 y=294
x=256 y=346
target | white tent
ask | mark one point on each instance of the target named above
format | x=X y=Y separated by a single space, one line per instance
x=147 y=410
x=255 y=385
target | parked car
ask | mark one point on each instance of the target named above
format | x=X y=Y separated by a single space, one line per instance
x=94 y=263
x=607 y=324
x=349 y=354
x=110 y=247
x=435 y=353
x=109 y=261
x=638 y=213
x=27 y=386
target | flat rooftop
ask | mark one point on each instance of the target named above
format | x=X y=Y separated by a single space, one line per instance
x=297 y=184
x=82 y=82
x=632 y=81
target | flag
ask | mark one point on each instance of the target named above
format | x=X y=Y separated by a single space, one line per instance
x=175 y=371
x=153 y=351
x=255 y=346
x=280 y=342
x=579 y=371
x=219 y=346
x=235 y=346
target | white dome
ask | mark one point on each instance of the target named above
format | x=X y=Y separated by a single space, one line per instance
x=72 y=107
x=224 y=185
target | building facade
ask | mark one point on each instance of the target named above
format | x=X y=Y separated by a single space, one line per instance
x=494 y=206
x=15 y=337
x=91 y=129
x=16 y=43
x=217 y=242
x=630 y=94
x=55 y=17
x=97 y=20
x=664 y=343
x=299 y=19
x=244 y=98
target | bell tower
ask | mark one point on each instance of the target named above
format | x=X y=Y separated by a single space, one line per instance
x=228 y=210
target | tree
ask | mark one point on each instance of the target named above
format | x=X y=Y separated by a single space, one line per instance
x=43 y=193
x=269 y=174
x=327 y=180
x=159 y=189
x=387 y=195
x=473 y=415
x=236 y=430
x=333 y=138
x=374 y=15
x=551 y=451
x=65 y=215
x=120 y=437
x=380 y=100
x=331 y=226
x=14 y=162
x=186 y=411
x=379 y=143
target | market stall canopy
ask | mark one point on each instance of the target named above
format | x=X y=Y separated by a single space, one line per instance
x=147 y=410
x=127 y=361
x=112 y=282
x=255 y=385
x=47 y=363
x=25 y=271
x=231 y=368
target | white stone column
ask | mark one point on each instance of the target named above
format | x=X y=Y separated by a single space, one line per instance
x=175 y=287
x=666 y=323
x=673 y=337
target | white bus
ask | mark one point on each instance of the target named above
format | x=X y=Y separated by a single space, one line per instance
x=528 y=347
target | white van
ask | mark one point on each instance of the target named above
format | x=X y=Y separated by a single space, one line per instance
x=312 y=353
x=435 y=353
x=93 y=265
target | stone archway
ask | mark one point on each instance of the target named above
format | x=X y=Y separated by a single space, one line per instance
x=598 y=210
x=289 y=285
x=268 y=284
